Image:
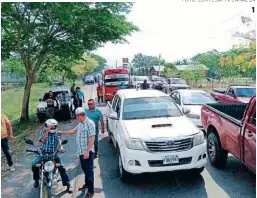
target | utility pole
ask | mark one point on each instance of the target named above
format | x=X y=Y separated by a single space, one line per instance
x=159 y=65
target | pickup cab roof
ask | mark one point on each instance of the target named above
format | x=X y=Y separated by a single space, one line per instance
x=133 y=93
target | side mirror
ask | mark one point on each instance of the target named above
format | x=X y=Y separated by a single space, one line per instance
x=40 y=100
x=30 y=142
x=64 y=142
x=186 y=111
x=114 y=116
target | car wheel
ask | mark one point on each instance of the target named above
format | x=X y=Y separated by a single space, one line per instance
x=125 y=177
x=216 y=154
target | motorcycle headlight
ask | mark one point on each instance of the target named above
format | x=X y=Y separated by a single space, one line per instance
x=49 y=166
x=194 y=116
x=134 y=144
x=198 y=139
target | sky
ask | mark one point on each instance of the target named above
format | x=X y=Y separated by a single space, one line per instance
x=179 y=30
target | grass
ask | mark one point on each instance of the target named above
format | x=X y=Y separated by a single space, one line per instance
x=11 y=105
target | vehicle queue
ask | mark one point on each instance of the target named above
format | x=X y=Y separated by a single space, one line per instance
x=164 y=128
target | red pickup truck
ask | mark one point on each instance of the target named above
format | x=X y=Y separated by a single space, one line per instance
x=231 y=128
x=234 y=94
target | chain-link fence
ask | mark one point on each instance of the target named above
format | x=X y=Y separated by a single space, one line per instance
x=221 y=84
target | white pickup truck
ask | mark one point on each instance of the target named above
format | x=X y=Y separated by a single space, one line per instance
x=151 y=134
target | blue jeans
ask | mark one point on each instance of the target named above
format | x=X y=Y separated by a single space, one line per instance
x=87 y=166
x=6 y=150
x=62 y=170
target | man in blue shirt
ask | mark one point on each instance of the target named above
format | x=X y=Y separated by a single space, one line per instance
x=95 y=115
x=80 y=96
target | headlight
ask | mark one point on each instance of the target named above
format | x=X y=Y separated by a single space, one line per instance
x=49 y=166
x=134 y=144
x=194 y=116
x=41 y=109
x=198 y=139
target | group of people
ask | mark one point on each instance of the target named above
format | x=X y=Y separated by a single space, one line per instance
x=86 y=139
x=87 y=145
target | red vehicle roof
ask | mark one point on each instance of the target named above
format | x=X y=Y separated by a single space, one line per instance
x=115 y=71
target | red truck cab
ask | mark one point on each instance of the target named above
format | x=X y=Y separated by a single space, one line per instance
x=231 y=128
x=234 y=94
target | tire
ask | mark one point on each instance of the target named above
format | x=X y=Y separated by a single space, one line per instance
x=49 y=192
x=125 y=177
x=216 y=154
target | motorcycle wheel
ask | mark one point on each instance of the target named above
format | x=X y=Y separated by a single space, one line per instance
x=49 y=192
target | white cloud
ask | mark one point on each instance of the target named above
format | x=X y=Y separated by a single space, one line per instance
x=178 y=30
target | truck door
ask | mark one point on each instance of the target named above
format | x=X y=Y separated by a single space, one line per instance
x=249 y=141
x=112 y=108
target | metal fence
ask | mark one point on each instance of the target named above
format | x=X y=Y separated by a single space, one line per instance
x=9 y=80
x=221 y=84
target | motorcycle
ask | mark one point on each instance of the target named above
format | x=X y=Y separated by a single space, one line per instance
x=49 y=173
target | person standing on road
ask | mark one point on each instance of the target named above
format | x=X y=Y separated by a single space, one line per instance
x=80 y=96
x=145 y=85
x=95 y=115
x=100 y=93
x=85 y=144
x=6 y=134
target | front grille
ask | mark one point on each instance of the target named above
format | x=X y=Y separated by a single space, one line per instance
x=159 y=163
x=161 y=125
x=167 y=146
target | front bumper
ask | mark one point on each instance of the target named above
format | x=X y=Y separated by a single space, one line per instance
x=145 y=162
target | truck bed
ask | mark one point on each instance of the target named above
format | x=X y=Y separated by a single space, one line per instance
x=220 y=92
x=232 y=112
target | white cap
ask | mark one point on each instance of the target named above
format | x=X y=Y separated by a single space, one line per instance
x=80 y=110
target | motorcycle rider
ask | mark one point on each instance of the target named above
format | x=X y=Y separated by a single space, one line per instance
x=50 y=140
x=145 y=85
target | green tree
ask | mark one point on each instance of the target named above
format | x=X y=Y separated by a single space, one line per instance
x=195 y=73
x=101 y=63
x=41 y=31
x=15 y=66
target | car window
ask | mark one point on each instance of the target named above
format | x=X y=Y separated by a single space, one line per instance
x=231 y=91
x=118 y=106
x=176 y=98
x=114 y=102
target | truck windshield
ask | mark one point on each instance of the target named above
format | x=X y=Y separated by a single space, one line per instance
x=197 y=98
x=155 y=107
x=246 y=92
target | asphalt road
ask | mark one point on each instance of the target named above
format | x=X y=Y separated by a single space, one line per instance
x=234 y=181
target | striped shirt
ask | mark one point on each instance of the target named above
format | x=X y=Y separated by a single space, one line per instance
x=51 y=143
x=84 y=130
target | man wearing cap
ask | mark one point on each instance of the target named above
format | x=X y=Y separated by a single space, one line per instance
x=85 y=132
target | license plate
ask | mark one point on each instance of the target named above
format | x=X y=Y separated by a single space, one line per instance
x=173 y=159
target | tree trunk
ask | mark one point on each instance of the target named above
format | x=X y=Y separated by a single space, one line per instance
x=63 y=79
x=26 y=96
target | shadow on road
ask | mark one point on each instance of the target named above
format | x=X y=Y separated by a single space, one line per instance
x=234 y=176
x=161 y=185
